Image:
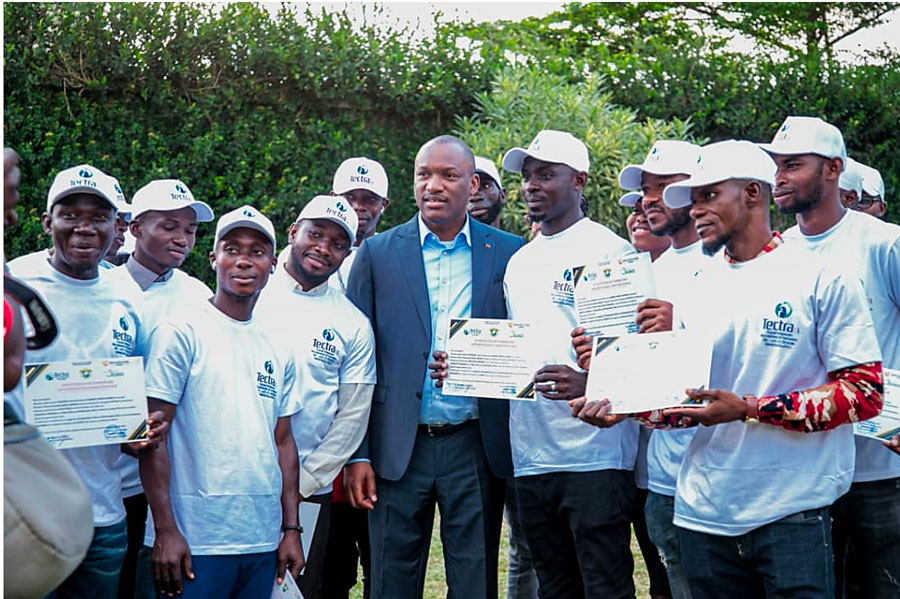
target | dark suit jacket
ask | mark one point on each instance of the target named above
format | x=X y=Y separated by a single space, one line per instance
x=387 y=282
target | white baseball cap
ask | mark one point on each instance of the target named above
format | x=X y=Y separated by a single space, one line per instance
x=333 y=208
x=872 y=183
x=125 y=208
x=487 y=166
x=559 y=147
x=245 y=216
x=666 y=157
x=808 y=135
x=630 y=199
x=851 y=179
x=85 y=178
x=721 y=161
x=360 y=173
x=165 y=195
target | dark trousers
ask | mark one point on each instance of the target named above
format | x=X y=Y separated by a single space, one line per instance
x=450 y=471
x=136 y=521
x=246 y=576
x=348 y=547
x=578 y=527
x=659 y=581
x=787 y=559
x=311 y=578
x=97 y=576
x=866 y=533
x=659 y=512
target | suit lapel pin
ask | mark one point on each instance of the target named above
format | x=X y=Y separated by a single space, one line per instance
x=487 y=246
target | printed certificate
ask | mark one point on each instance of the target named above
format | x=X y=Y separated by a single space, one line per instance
x=650 y=371
x=608 y=293
x=88 y=402
x=490 y=358
x=887 y=424
x=287 y=589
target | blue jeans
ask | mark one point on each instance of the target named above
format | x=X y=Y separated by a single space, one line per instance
x=788 y=559
x=659 y=511
x=866 y=532
x=97 y=576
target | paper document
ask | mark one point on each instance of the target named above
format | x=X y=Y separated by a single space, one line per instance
x=87 y=402
x=607 y=293
x=887 y=424
x=287 y=589
x=650 y=371
x=491 y=358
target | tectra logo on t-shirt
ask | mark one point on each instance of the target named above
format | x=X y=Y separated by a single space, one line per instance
x=323 y=350
x=563 y=292
x=266 y=383
x=122 y=340
x=780 y=331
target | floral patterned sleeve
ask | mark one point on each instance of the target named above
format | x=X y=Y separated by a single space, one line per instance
x=852 y=394
x=656 y=419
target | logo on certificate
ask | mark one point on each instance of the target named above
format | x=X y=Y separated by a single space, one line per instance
x=85 y=373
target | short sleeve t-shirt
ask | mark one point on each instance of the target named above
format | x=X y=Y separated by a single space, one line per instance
x=96 y=318
x=162 y=299
x=231 y=382
x=871 y=249
x=332 y=344
x=676 y=271
x=781 y=322
x=538 y=285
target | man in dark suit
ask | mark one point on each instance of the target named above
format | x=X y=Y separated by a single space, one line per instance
x=424 y=447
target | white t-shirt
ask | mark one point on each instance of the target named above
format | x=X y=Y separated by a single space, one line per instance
x=231 y=382
x=871 y=249
x=676 y=272
x=161 y=300
x=543 y=434
x=96 y=318
x=332 y=343
x=781 y=322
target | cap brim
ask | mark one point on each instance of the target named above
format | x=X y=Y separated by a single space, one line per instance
x=82 y=189
x=630 y=177
x=245 y=224
x=630 y=199
x=203 y=211
x=336 y=221
x=514 y=159
x=490 y=176
x=677 y=195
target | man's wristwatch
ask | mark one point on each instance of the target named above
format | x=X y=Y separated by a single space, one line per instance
x=752 y=414
x=288 y=527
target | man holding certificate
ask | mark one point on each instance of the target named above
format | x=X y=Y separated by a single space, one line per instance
x=867 y=518
x=573 y=484
x=98 y=321
x=794 y=361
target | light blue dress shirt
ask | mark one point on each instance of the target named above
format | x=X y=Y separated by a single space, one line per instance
x=448 y=276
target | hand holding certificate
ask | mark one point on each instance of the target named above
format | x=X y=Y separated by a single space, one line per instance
x=490 y=358
x=608 y=293
x=887 y=424
x=88 y=402
x=620 y=366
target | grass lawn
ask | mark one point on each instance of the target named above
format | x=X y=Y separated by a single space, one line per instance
x=436 y=587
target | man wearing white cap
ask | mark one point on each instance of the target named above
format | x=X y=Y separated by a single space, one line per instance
x=113 y=258
x=667 y=162
x=850 y=184
x=97 y=317
x=794 y=361
x=873 y=200
x=364 y=183
x=334 y=353
x=487 y=201
x=810 y=155
x=223 y=490
x=164 y=218
x=573 y=484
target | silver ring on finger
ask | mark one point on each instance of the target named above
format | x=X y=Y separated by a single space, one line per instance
x=553 y=387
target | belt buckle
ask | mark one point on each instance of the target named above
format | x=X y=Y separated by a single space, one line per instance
x=433 y=429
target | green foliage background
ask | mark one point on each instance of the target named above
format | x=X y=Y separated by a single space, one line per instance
x=249 y=106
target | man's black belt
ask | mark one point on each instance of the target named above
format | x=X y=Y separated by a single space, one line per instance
x=435 y=430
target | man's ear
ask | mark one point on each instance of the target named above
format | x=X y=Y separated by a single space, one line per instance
x=581 y=178
x=212 y=259
x=502 y=195
x=754 y=194
x=833 y=168
x=45 y=223
x=292 y=233
x=385 y=202
x=474 y=184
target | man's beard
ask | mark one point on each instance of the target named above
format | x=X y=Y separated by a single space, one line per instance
x=492 y=213
x=713 y=247
x=678 y=220
x=802 y=204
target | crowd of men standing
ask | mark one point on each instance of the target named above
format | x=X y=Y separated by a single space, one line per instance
x=314 y=374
